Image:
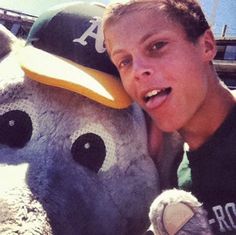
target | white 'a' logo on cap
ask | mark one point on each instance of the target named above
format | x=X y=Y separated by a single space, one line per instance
x=95 y=23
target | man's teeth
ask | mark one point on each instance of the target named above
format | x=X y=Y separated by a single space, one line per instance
x=152 y=93
x=157 y=92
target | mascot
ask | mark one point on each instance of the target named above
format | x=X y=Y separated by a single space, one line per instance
x=73 y=148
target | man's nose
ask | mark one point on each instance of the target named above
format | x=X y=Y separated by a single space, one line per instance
x=142 y=69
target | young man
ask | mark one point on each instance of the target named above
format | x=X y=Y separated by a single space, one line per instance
x=163 y=50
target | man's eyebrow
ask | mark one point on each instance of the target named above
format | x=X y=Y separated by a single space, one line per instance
x=142 y=39
x=145 y=37
x=118 y=51
x=159 y=35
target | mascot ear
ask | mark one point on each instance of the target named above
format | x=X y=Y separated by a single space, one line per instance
x=175 y=216
x=176 y=211
x=10 y=71
x=6 y=41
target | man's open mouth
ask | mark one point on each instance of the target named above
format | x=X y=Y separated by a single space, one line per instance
x=157 y=93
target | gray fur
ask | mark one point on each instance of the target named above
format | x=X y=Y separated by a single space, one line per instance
x=44 y=190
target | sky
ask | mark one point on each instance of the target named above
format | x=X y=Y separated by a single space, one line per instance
x=218 y=12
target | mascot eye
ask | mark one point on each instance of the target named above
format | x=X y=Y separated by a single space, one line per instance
x=15 y=128
x=89 y=150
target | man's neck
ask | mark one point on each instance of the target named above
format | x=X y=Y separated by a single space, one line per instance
x=208 y=118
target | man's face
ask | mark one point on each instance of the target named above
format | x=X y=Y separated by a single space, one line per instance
x=160 y=69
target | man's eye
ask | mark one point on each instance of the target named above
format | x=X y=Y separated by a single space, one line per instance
x=124 y=63
x=157 y=46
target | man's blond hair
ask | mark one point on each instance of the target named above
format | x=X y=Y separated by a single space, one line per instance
x=187 y=13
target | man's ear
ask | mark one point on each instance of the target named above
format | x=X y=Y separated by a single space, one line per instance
x=209 y=45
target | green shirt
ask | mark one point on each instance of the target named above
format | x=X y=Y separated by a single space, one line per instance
x=210 y=174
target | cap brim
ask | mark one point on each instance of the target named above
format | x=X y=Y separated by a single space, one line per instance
x=56 y=71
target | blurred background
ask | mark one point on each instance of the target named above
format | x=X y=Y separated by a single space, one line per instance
x=220 y=13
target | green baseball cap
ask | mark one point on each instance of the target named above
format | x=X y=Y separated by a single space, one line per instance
x=65 y=48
